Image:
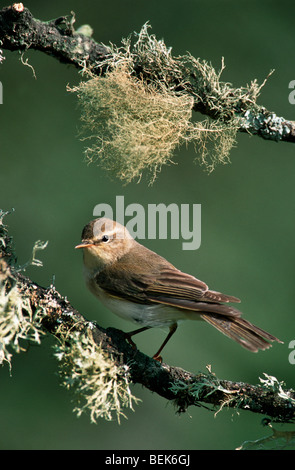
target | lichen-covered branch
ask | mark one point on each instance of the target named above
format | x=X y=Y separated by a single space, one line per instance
x=19 y=30
x=99 y=364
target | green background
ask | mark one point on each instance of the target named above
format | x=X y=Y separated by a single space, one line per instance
x=248 y=224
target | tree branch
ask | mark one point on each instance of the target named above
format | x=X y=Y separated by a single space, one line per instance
x=183 y=388
x=19 y=30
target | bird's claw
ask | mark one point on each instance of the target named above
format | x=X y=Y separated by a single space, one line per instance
x=158 y=358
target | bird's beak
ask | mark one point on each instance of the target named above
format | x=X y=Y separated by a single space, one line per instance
x=85 y=244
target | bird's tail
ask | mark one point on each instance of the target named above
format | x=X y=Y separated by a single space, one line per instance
x=242 y=331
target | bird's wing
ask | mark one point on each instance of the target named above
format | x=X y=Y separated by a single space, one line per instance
x=181 y=290
x=161 y=284
x=176 y=284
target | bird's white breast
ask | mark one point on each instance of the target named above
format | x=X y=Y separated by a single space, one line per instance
x=156 y=315
x=146 y=315
x=152 y=315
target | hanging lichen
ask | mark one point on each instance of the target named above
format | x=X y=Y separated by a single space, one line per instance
x=19 y=323
x=100 y=386
x=139 y=111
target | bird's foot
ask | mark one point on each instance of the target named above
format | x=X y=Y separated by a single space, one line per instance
x=158 y=358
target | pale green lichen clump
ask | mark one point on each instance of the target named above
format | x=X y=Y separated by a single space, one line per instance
x=17 y=322
x=131 y=128
x=140 y=111
x=100 y=386
x=273 y=384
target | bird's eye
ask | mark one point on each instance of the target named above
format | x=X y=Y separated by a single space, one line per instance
x=105 y=239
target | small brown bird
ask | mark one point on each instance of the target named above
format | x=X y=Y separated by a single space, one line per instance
x=139 y=285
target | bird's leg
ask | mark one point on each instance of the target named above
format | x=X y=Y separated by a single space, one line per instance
x=172 y=330
x=135 y=332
